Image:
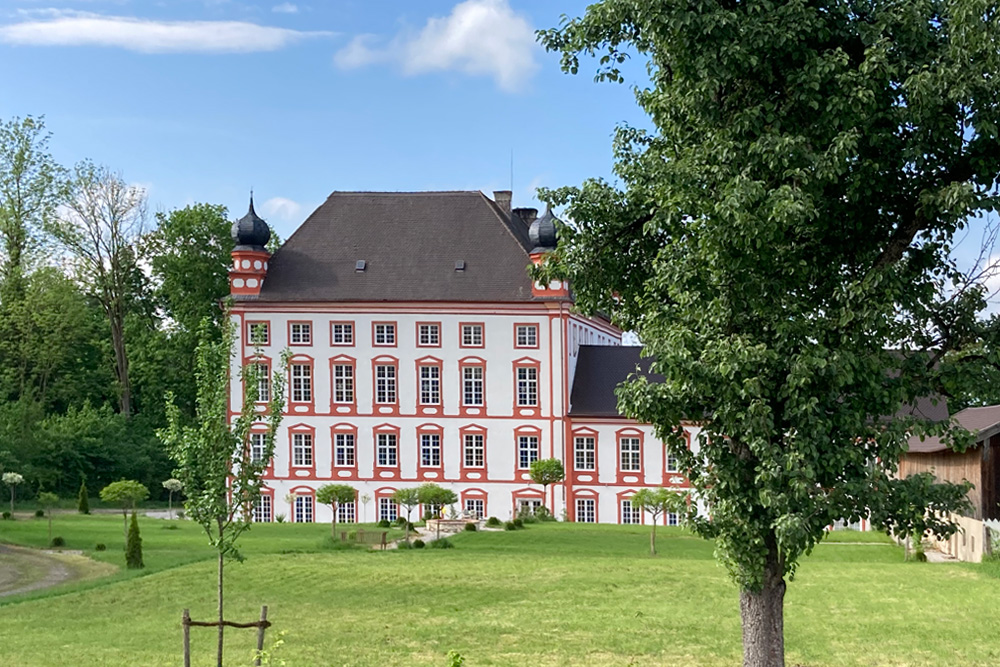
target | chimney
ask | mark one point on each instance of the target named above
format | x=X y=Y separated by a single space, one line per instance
x=527 y=214
x=502 y=198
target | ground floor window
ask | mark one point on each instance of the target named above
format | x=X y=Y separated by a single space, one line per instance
x=673 y=519
x=262 y=510
x=432 y=509
x=387 y=509
x=630 y=513
x=303 y=509
x=346 y=513
x=528 y=505
x=475 y=507
x=586 y=511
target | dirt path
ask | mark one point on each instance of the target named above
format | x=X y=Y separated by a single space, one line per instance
x=23 y=570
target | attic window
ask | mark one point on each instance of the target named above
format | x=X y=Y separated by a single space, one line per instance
x=460 y=265
x=360 y=265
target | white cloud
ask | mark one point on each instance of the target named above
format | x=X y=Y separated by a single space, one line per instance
x=479 y=37
x=282 y=209
x=65 y=28
x=285 y=8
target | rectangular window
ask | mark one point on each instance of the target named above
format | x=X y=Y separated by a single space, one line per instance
x=343 y=383
x=385 y=384
x=671 y=463
x=472 y=385
x=303 y=509
x=630 y=454
x=429 y=335
x=347 y=512
x=342 y=333
x=386 y=450
x=475 y=450
x=302 y=449
x=472 y=335
x=256 y=447
x=385 y=334
x=430 y=385
x=301 y=333
x=584 y=453
x=475 y=508
x=527 y=386
x=387 y=509
x=343 y=445
x=260 y=333
x=630 y=513
x=263 y=383
x=528 y=505
x=262 y=510
x=430 y=450
x=527 y=451
x=527 y=336
x=673 y=519
x=585 y=510
x=301 y=383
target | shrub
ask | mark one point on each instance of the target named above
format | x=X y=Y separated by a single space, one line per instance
x=403 y=544
x=133 y=546
x=171 y=526
x=180 y=514
x=82 y=501
x=443 y=543
x=101 y=546
x=39 y=514
x=527 y=518
x=280 y=518
x=428 y=515
x=471 y=527
x=493 y=522
x=383 y=523
x=6 y=516
x=542 y=513
x=519 y=522
x=400 y=521
x=418 y=544
x=509 y=526
x=57 y=542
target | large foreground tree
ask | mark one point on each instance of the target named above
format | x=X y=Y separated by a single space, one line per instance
x=780 y=240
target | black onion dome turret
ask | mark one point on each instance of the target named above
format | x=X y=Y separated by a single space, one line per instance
x=542 y=232
x=251 y=232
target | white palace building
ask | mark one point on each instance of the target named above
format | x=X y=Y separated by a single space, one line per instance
x=423 y=352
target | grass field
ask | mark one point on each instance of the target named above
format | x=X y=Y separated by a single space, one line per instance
x=552 y=594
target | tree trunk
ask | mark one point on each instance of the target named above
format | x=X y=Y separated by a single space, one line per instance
x=333 y=524
x=121 y=359
x=652 y=539
x=219 y=651
x=12 y=501
x=170 y=504
x=762 y=616
x=125 y=524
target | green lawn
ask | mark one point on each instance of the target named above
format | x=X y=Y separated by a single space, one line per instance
x=552 y=594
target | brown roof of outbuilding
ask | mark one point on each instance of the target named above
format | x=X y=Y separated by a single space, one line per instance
x=983 y=422
x=410 y=243
x=599 y=369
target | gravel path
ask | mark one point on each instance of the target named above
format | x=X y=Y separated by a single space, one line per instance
x=23 y=570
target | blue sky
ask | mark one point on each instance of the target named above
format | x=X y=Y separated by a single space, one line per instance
x=202 y=100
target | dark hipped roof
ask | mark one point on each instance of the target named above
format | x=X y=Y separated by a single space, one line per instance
x=599 y=369
x=983 y=422
x=410 y=243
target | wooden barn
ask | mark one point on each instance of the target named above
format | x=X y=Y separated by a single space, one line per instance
x=979 y=464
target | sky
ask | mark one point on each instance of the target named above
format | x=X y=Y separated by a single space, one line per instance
x=202 y=100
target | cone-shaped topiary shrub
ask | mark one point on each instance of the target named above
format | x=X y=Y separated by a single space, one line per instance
x=133 y=546
x=83 y=502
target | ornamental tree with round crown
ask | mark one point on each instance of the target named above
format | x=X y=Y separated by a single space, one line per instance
x=780 y=242
x=335 y=495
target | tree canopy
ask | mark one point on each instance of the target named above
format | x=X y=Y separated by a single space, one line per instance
x=780 y=241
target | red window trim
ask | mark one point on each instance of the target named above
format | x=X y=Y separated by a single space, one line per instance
x=461 y=335
x=640 y=474
x=538 y=336
x=386 y=492
x=471 y=410
x=248 y=343
x=339 y=408
x=302 y=360
x=312 y=333
x=354 y=334
x=668 y=475
x=464 y=470
x=475 y=494
x=627 y=495
x=532 y=494
x=265 y=491
x=262 y=359
x=587 y=494
x=378 y=470
x=341 y=429
x=292 y=468
x=384 y=409
x=416 y=331
x=525 y=431
x=430 y=410
x=300 y=491
x=528 y=410
x=585 y=432
x=395 y=333
x=437 y=472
